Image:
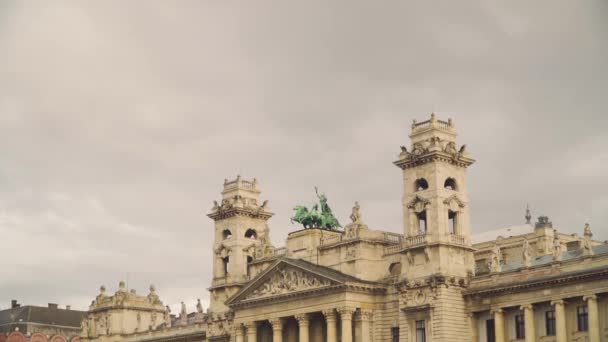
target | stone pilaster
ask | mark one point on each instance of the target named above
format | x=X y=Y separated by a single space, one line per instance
x=330 y=318
x=238 y=333
x=560 y=321
x=473 y=327
x=277 y=329
x=252 y=331
x=528 y=310
x=366 y=317
x=594 y=318
x=499 y=325
x=303 y=326
x=346 y=316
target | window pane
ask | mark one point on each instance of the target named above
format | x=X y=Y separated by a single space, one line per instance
x=520 y=327
x=550 y=323
x=420 y=331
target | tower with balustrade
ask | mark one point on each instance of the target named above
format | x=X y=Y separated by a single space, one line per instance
x=437 y=253
x=241 y=230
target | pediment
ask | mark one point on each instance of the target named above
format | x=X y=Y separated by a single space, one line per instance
x=418 y=203
x=281 y=279
x=454 y=202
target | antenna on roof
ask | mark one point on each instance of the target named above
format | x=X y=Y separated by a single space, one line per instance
x=528 y=215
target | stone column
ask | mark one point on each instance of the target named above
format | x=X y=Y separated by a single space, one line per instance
x=366 y=318
x=330 y=318
x=303 y=325
x=594 y=318
x=277 y=329
x=499 y=325
x=252 y=331
x=238 y=333
x=529 y=322
x=346 y=316
x=560 y=321
x=473 y=327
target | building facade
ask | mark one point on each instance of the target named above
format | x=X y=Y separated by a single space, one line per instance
x=40 y=324
x=433 y=282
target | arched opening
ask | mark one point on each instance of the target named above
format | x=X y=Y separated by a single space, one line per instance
x=251 y=234
x=395 y=269
x=249 y=261
x=453 y=222
x=421 y=184
x=226 y=262
x=422 y=224
x=226 y=234
x=450 y=184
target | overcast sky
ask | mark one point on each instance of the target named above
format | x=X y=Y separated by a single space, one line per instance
x=119 y=121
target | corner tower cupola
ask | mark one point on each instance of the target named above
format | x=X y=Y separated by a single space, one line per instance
x=240 y=226
x=435 y=198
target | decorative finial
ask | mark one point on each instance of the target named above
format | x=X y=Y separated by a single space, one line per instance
x=121 y=286
x=152 y=288
x=588 y=232
x=450 y=122
x=432 y=116
x=528 y=215
x=102 y=289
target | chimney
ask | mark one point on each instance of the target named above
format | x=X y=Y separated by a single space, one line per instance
x=14 y=304
x=68 y=307
x=53 y=306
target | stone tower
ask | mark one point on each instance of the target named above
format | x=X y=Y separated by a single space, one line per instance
x=437 y=253
x=240 y=229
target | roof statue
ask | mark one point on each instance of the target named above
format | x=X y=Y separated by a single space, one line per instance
x=314 y=218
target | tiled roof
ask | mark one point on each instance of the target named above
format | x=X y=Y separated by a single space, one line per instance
x=42 y=315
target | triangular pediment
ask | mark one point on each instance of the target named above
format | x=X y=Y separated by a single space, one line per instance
x=285 y=278
x=454 y=202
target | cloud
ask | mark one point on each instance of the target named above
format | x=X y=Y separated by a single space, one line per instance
x=119 y=122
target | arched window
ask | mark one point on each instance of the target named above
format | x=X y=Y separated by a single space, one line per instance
x=422 y=224
x=226 y=261
x=421 y=184
x=251 y=234
x=226 y=234
x=450 y=184
x=395 y=269
x=453 y=222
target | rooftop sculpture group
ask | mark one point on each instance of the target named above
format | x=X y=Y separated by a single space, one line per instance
x=315 y=218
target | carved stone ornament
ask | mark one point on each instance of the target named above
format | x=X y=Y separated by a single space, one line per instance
x=286 y=281
x=351 y=252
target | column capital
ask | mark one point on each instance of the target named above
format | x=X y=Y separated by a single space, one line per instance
x=302 y=319
x=526 y=307
x=496 y=311
x=330 y=314
x=251 y=325
x=588 y=297
x=346 y=312
x=277 y=323
x=238 y=329
x=557 y=302
x=366 y=314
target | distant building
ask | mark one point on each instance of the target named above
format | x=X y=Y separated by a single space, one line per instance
x=435 y=282
x=40 y=324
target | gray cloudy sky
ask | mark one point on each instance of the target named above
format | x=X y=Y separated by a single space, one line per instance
x=119 y=121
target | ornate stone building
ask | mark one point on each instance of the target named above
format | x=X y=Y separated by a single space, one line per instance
x=434 y=282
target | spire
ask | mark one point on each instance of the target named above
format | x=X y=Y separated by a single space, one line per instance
x=528 y=216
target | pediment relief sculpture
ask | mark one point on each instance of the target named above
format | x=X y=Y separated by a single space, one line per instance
x=418 y=203
x=287 y=280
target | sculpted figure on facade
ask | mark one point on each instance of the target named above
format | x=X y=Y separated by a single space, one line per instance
x=587 y=248
x=286 y=281
x=587 y=231
x=526 y=253
x=152 y=296
x=495 y=258
x=355 y=216
x=557 y=247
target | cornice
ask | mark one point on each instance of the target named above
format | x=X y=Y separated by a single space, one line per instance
x=593 y=274
x=434 y=156
x=247 y=212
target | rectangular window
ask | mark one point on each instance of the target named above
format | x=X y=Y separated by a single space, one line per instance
x=420 y=331
x=520 y=327
x=582 y=318
x=490 y=330
x=550 y=323
x=395 y=334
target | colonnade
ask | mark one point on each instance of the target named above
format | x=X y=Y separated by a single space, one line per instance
x=530 y=325
x=248 y=331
